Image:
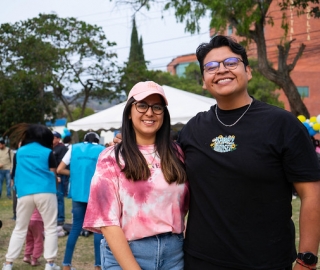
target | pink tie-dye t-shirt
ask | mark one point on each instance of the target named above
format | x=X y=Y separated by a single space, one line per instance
x=141 y=208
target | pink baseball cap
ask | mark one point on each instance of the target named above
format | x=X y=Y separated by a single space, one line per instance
x=141 y=90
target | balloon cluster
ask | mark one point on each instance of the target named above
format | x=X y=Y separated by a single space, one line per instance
x=312 y=124
x=65 y=133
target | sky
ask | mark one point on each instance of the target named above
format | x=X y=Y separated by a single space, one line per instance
x=163 y=38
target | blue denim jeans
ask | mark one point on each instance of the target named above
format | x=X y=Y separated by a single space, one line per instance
x=60 y=197
x=5 y=174
x=78 y=211
x=159 y=252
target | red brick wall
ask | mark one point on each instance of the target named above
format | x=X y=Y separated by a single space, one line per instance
x=307 y=70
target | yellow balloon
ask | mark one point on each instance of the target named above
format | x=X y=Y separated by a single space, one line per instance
x=313 y=119
x=302 y=118
x=316 y=126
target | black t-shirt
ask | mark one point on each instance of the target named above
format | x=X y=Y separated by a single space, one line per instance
x=241 y=185
x=59 y=151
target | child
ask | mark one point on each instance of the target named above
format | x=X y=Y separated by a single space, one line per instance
x=34 y=240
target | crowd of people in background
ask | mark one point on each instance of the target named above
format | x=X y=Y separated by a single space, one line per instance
x=31 y=212
x=232 y=169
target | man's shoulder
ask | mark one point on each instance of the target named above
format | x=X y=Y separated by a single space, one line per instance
x=60 y=148
x=200 y=117
x=271 y=111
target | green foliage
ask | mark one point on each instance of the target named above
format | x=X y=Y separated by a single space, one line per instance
x=193 y=72
x=183 y=83
x=261 y=88
x=130 y=75
x=135 y=69
x=55 y=57
x=76 y=113
x=136 y=55
x=163 y=78
x=249 y=19
x=21 y=101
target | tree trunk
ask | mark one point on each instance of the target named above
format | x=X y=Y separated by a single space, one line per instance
x=297 y=106
x=281 y=76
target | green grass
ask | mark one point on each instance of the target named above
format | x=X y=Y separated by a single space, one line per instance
x=83 y=257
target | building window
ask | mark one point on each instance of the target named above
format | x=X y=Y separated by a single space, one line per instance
x=181 y=68
x=303 y=91
x=230 y=30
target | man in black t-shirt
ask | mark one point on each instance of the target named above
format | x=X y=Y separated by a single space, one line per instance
x=242 y=158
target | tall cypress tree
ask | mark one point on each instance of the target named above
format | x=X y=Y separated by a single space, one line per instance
x=141 y=53
x=136 y=56
x=135 y=69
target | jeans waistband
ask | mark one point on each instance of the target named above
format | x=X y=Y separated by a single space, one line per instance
x=166 y=233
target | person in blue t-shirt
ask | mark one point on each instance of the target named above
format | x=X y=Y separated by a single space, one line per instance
x=34 y=173
x=82 y=158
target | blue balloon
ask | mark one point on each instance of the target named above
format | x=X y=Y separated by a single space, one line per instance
x=311 y=131
x=66 y=132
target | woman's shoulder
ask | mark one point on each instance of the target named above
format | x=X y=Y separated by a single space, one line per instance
x=108 y=153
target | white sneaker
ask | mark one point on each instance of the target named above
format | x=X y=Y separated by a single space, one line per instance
x=51 y=267
x=7 y=267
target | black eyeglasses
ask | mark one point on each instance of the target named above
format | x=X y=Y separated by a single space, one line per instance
x=143 y=107
x=229 y=63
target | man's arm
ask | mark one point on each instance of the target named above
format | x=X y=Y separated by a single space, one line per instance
x=309 y=223
x=62 y=169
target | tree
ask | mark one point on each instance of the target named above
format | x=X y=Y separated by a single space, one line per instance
x=261 y=88
x=24 y=69
x=165 y=78
x=249 y=19
x=20 y=101
x=136 y=55
x=76 y=113
x=63 y=55
x=134 y=70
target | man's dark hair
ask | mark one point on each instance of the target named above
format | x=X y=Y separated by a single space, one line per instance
x=67 y=139
x=217 y=42
x=2 y=141
x=91 y=137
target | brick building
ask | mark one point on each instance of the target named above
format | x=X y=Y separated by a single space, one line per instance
x=306 y=74
x=178 y=65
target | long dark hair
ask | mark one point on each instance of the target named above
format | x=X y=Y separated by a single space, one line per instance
x=24 y=133
x=136 y=167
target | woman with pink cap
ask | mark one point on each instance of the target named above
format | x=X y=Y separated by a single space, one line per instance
x=139 y=194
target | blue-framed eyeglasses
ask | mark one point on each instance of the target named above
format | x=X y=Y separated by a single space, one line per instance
x=229 y=63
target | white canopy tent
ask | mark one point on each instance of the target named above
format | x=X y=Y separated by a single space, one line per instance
x=182 y=107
